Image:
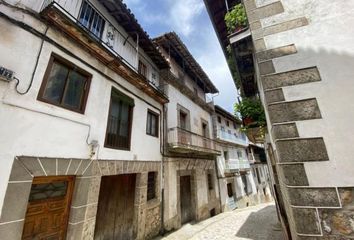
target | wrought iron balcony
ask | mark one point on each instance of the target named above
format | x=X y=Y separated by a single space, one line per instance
x=109 y=45
x=184 y=141
x=234 y=165
x=240 y=139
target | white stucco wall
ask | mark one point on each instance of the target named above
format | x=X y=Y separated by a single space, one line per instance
x=196 y=112
x=179 y=73
x=240 y=191
x=33 y=128
x=128 y=50
x=327 y=42
x=232 y=155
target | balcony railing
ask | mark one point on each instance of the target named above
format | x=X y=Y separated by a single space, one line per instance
x=110 y=38
x=184 y=141
x=112 y=47
x=241 y=139
x=236 y=164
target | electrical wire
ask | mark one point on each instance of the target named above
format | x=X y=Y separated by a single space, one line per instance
x=34 y=70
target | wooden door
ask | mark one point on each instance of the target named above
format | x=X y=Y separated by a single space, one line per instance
x=229 y=190
x=205 y=135
x=186 y=199
x=48 y=208
x=115 y=214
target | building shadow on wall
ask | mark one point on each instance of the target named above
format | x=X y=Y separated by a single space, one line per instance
x=261 y=225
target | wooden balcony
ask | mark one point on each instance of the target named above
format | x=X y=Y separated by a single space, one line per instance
x=64 y=21
x=186 y=142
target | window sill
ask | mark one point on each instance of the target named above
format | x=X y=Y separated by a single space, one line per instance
x=61 y=106
x=155 y=136
x=117 y=148
x=152 y=203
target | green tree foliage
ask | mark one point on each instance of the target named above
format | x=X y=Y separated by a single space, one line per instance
x=236 y=18
x=251 y=109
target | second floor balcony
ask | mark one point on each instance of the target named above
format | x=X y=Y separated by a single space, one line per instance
x=186 y=142
x=118 y=50
x=235 y=165
x=239 y=138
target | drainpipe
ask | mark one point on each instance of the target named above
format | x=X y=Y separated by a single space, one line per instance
x=218 y=177
x=164 y=140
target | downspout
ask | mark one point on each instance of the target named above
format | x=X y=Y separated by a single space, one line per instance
x=218 y=177
x=35 y=67
x=215 y=132
x=164 y=134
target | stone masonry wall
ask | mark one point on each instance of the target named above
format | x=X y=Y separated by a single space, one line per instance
x=313 y=212
x=203 y=199
x=85 y=198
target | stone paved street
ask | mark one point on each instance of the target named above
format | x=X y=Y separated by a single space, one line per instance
x=259 y=222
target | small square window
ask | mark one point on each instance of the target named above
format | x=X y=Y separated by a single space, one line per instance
x=219 y=119
x=151 y=186
x=152 y=124
x=91 y=20
x=227 y=123
x=235 y=125
x=65 y=85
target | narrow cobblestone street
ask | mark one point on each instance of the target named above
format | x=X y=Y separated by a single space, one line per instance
x=257 y=223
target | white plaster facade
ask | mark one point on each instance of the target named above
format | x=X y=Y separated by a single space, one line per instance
x=196 y=164
x=34 y=128
x=326 y=42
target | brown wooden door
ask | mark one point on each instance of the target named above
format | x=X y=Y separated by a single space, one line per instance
x=186 y=199
x=229 y=190
x=115 y=214
x=48 y=208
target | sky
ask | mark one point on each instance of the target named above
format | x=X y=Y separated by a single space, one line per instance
x=190 y=20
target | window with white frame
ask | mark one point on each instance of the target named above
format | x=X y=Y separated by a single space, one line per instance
x=91 y=19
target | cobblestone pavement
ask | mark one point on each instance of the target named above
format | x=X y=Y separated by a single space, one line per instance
x=258 y=223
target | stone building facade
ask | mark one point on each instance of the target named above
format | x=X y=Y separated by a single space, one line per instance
x=302 y=55
x=236 y=183
x=190 y=181
x=242 y=168
x=63 y=148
